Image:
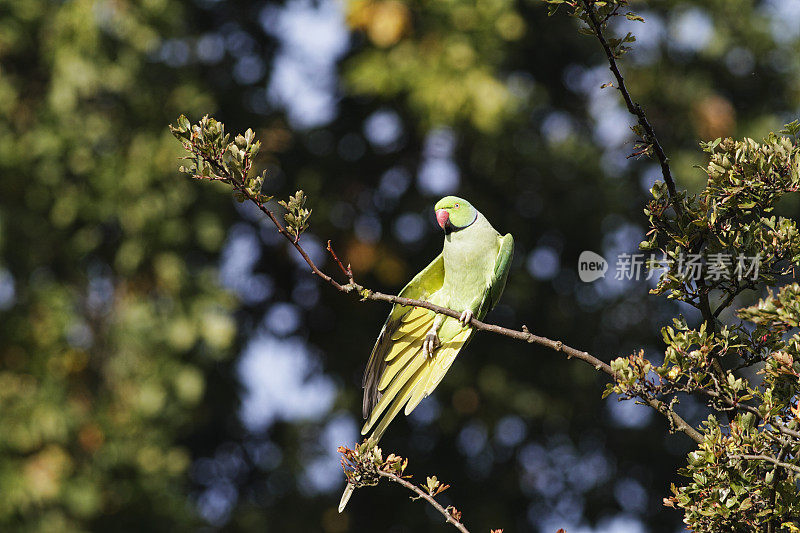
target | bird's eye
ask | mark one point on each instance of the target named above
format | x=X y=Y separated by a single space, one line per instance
x=457 y=206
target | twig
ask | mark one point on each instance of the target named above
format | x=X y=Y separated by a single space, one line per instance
x=347 y=271
x=364 y=465
x=732 y=295
x=749 y=408
x=210 y=178
x=769 y=459
x=634 y=108
x=773 y=523
x=427 y=497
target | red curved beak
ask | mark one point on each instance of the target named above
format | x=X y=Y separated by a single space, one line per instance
x=442 y=216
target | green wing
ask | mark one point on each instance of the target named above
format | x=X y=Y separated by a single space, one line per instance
x=428 y=281
x=497 y=281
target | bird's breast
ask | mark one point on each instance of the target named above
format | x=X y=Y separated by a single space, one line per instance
x=469 y=259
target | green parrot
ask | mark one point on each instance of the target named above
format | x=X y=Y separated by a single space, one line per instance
x=417 y=346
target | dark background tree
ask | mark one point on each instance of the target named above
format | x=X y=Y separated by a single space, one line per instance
x=165 y=362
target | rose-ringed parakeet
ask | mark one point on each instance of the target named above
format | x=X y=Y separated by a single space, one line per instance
x=417 y=346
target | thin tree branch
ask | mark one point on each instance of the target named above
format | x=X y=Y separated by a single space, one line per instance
x=773 y=523
x=761 y=457
x=750 y=409
x=364 y=465
x=346 y=271
x=449 y=518
x=675 y=420
x=634 y=108
x=732 y=295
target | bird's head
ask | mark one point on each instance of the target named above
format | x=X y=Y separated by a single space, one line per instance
x=454 y=213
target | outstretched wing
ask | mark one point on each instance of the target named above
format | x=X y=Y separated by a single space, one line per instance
x=400 y=330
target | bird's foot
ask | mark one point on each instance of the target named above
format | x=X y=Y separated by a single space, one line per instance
x=430 y=343
x=465 y=317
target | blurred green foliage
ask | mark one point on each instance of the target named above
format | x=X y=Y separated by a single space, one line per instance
x=107 y=348
x=442 y=58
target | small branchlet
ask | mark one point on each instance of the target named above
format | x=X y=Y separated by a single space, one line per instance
x=213 y=156
x=596 y=14
x=297 y=215
x=792 y=128
x=346 y=271
x=454 y=513
x=364 y=466
x=434 y=486
x=599 y=12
